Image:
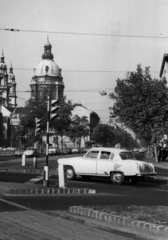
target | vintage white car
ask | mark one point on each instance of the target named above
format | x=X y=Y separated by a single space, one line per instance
x=31 y=152
x=118 y=164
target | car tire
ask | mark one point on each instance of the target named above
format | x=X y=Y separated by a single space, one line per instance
x=70 y=173
x=117 y=178
x=134 y=180
x=86 y=177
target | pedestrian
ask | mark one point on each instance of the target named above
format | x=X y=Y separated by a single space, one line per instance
x=159 y=151
x=164 y=153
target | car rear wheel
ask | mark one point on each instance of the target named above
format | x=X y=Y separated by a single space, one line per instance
x=117 y=178
x=70 y=173
x=86 y=177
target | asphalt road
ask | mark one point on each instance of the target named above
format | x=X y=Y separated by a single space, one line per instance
x=9 y=161
x=149 y=194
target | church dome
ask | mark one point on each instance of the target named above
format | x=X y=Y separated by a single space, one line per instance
x=47 y=67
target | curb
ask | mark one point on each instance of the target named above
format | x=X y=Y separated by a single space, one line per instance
x=156 y=180
x=52 y=191
x=118 y=220
x=31 y=171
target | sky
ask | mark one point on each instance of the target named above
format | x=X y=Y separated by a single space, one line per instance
x=94 y=42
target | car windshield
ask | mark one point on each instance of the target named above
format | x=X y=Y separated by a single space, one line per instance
x=127 y=155
x=30 y=148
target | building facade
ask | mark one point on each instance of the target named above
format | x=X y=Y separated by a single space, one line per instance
x=47 y=80
x=7 y=101
x=164 y=67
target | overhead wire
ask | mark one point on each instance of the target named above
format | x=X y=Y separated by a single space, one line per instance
x=84 y=34
x=84 y=71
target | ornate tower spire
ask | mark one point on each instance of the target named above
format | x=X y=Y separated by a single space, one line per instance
x=11 y=69
x=2 y=58
x=47 y=50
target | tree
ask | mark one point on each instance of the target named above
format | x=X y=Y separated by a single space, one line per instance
x=37 y=108
x=141 y=103
x=103 y=134
x=61 y=124
x=34 y=108
x=19 y=137
x=79 y=128
x=125 y=139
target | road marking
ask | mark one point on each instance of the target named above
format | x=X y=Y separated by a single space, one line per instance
x=34 y=180
x=15 y=204
x=81 y=182
x=160 y=190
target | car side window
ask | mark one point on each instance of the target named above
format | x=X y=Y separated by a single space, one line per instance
x=127 y=155
x=105 y=155
x=92 y=154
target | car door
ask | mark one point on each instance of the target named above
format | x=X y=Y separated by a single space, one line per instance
x=88 y=163
x=105 y=163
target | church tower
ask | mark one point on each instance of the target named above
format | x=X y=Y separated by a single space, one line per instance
x=12 y=90
x=47 y=79
x=4 y=87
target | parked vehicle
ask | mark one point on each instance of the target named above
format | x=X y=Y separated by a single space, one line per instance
x=19 y=152
x=53 y=151
x=117 y=164
x=142 y=150
x=31 y=152
x=75 y=150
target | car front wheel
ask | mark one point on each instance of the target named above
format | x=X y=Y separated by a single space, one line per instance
x=70 y=173
x=117 y=178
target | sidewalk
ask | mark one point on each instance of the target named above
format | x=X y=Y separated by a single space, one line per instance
x=150 y=159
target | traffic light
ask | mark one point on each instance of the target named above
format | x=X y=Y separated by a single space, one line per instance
x=38 y=125
x=54 y=108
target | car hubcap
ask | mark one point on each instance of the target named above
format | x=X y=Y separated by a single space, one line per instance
x=117 y=177
x=69 y=173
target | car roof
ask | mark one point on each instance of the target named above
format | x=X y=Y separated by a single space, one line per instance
x=116 y=150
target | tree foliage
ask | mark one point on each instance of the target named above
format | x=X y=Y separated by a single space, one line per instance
x=103 y=134
x=125 y=139
x=37 y=108
x=107 y=136
x=141 y=103
x=79 y=128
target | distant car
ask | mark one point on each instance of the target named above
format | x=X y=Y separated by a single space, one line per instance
x=19 y=152
x=117 y=164
x=142 y=150
x=53 y=151
x=75 y=150
x=86 y=149
x=31 y=152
